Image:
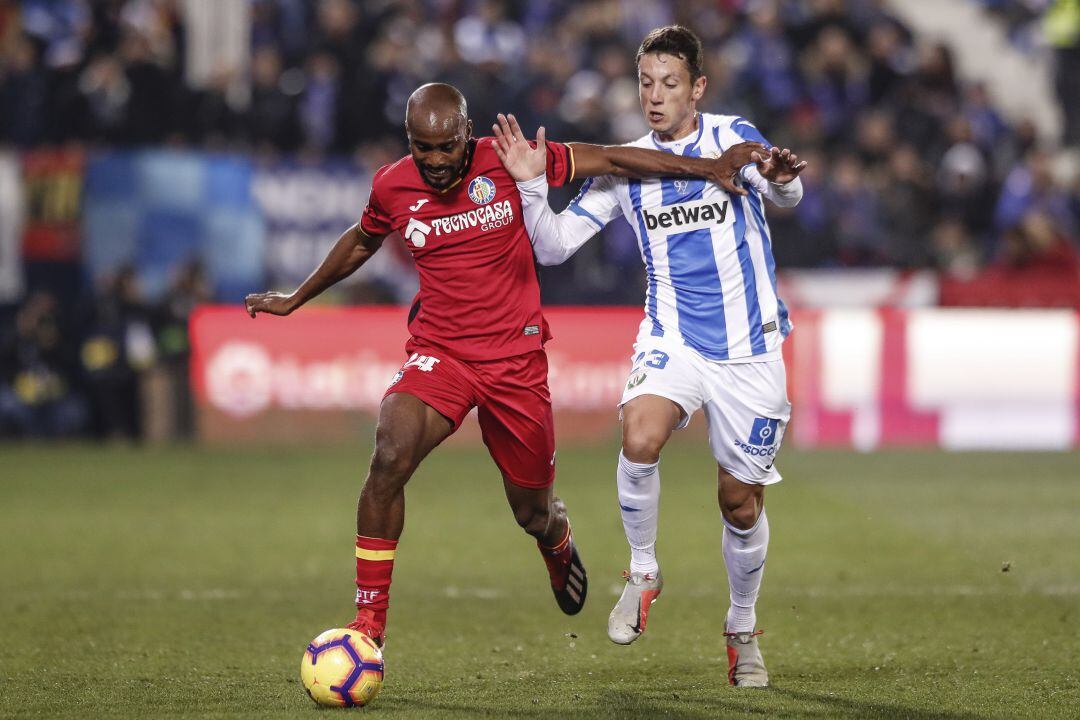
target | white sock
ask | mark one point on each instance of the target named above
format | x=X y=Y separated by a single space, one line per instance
x=639 y=501
x=744 y=556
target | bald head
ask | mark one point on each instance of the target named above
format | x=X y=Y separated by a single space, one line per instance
x=439 y=130
x=436 y=108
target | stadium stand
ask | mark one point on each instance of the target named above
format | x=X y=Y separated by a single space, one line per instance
x=913 y=166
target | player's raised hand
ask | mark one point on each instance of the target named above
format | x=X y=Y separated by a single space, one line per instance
x=521 y=160
x=273 y=303
x=778 y=166
x=732 y=161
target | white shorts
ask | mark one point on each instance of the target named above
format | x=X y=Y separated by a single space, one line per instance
x=746 y=404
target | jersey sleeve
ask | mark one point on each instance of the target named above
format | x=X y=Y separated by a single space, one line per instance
x=560 y=163
x=741 y=130
x=597 y=201
x=376 y=220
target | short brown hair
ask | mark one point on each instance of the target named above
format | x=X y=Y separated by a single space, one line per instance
x=674 y=40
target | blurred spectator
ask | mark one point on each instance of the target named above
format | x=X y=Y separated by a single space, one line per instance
x=837 y=82
x=118 y=345
x=489 y=36
x=767 y=61
x=37 y=397
x=928 y=100
x=107 y=93
x=907 y=208
x=903 y=146
x=189 y=288
x=1037 y=244
x=860 y=237
x=988 y=128
x=23 y=85
x=1062 y=28
x=963 y=180
x=890 y=61
x=1031 y=187
x=319 y=104
x=150 y=113
x=62 y=26
x=272 y=120
x=953 y=249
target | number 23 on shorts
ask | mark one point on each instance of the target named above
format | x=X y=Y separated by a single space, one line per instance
x=657 y=359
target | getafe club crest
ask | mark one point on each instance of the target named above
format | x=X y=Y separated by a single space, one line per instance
x=482 y=190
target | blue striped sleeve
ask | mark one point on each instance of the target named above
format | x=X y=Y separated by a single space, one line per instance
x=578 y=210
x=746 y=130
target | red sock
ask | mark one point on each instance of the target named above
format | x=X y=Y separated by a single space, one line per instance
x=374 y=566
x=557 y=558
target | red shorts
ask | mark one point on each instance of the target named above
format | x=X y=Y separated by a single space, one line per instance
x=513 y=401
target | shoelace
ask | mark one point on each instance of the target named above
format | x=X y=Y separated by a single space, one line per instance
x=649 y=577
x=753 y=634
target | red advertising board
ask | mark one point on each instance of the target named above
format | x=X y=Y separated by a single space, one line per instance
x=863 y=378
x=322 y=372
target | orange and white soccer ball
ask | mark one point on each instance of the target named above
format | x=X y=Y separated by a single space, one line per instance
x=342 y=668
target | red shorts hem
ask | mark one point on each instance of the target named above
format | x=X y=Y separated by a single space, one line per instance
x=530 y=484
x=455 y=418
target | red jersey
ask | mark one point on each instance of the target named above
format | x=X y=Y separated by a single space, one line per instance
x=479 y=295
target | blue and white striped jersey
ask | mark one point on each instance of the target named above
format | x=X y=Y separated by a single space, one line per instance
x=711 y=273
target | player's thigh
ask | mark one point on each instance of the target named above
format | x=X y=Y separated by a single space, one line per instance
x=671 y=373
x=516 y=420
x=424 y=404
x=747 y=413
x=408 y=430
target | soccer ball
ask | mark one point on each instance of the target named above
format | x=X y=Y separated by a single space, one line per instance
x=342 y=668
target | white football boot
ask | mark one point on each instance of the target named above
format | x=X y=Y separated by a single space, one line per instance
x=746 y=668
x=628 y=617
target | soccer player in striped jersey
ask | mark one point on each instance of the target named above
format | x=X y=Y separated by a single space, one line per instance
x=712 y=330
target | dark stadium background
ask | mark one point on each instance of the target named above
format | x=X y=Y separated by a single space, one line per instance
x=165 y=546
x=161 y=154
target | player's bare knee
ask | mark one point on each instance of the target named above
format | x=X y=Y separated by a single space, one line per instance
x=642 y=443
x=533 y=518
x=742 y=513
x=391 y=466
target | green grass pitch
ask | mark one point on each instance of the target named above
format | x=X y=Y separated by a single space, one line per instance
x=185 y=583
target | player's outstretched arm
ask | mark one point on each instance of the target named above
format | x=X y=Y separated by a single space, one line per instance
x=352 y=250
x=525 y=162
x=593 y=160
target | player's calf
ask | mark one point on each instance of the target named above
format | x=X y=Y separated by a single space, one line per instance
x=569 y=582
x=543 y=516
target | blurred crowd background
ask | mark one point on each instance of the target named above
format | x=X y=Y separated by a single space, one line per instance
x=913 y=167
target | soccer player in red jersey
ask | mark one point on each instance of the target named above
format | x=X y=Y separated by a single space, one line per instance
x=477 y=332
